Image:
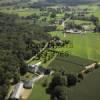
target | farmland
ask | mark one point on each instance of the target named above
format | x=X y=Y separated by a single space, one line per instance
x=70 y=64
x=37 y=35
x=86 y=45
x=88 y=89
x=85 y=90
x=94 y=10
x=21 y=11
x=39 y=91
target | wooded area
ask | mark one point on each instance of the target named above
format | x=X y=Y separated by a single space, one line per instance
x=16 y=46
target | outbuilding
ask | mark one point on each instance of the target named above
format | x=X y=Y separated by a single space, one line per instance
x=28 y=84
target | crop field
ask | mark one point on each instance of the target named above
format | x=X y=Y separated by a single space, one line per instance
x=88 y=89
x=84 y=45
x=70 y=64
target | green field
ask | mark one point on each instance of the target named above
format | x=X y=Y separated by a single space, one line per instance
x=93 y=8
x=84 y=45
x=39 y=92
x=88 y=89
x=70 y=64
x=20 y=11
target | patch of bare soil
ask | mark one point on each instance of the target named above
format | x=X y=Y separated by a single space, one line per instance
x=25 y=94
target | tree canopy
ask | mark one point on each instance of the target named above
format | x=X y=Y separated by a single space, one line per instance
x=16 y=46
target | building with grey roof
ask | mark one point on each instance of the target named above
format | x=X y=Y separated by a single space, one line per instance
x=28 y=84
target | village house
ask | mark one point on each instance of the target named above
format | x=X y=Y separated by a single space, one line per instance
x=34 y=68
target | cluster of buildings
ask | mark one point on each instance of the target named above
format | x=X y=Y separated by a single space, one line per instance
x=85 y=28
x=28 y=84
x=39 y=70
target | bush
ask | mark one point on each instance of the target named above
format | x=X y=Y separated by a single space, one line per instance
x=71 y=80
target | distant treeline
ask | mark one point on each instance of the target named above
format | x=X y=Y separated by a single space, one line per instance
x=42 y=3
x=13 y=2
x=64 y=2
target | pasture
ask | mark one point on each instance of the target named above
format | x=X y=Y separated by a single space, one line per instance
x=39 y=92
x=88 y=89
x=84 y=45
x=93 y=8
x=69 y=64
x=20 y=11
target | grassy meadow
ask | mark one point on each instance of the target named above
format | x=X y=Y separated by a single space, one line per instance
x=94 y=9
x=20 y=11
x=88 y=89
x=84 y=45
x=39 y=92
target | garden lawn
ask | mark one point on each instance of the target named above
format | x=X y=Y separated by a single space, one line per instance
x=38 y=92
x=84 y=45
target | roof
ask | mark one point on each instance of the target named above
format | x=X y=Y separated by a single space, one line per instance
x=28 y=84
x=17 y=91
x=33 y=68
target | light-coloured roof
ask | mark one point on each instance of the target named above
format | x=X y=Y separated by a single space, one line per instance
x=17 y=91
x=36 y=65
x=90 y=66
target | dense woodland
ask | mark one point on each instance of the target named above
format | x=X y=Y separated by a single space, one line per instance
x=16 y=46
